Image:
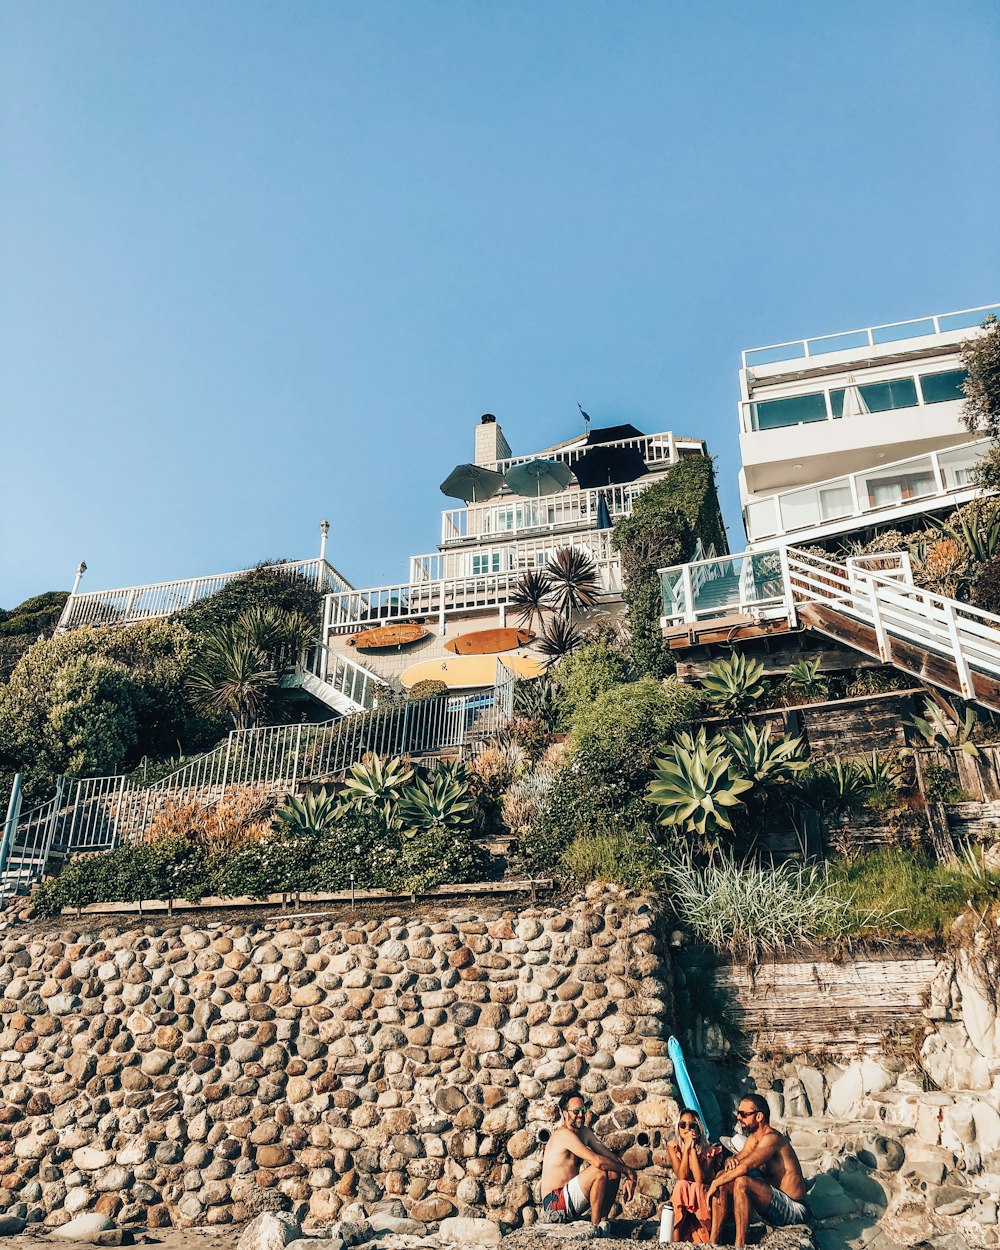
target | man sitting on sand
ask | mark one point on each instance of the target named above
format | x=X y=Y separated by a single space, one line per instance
x=765 y=1174
x=580 y=1176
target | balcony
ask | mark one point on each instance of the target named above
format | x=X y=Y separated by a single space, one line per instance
x=658 y=451
x=943 y=326
x=517 y=557
x=507 y=515
x=437 y=600
x=887 y=492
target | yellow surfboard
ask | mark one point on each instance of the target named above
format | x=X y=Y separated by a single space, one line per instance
x=463 y=672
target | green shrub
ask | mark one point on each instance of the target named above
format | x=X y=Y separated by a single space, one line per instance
x=590 y=671
x=167 y=868
x=438 y=855
x=628 y=859
x=941 y=785
x=430 y=688
x=262 y=587
x=877 y=681
x=539 y=700
x=986 y=587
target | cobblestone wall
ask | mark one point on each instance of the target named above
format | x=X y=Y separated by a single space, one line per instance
x=174 y=1074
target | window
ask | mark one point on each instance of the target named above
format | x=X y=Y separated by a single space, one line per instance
x=774 y=414
x=487 y=562
x=515 y=516
x=938 y=388
x=892 y=488
x=879 y=396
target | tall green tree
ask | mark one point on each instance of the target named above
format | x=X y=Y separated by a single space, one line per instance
x=981 y=410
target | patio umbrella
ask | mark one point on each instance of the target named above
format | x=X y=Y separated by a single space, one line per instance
x=538 y=477
x=471 y=482
x=854 y=403
x=601 y=466
x=603 y=514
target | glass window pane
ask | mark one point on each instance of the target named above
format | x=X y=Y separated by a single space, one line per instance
x=797 y=409
x=800 y=509
x=761 y=518
x=835 y=502
x=938 y=388
x=884 y=396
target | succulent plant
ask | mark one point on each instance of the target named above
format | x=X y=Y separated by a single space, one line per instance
x=439 y=803
x=312 y=814
x=763 y=762
x=939 y=729
x=696 y=784
x=377 y=781
x=734 y=683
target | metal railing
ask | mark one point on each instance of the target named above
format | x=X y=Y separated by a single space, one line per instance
x=131 y=604
x=511 y=557
x=869 y=336
x=99 y=813
x=656 y=449
x=507 y=515
x=917 y=479
x=437 y=600
x=357 y=685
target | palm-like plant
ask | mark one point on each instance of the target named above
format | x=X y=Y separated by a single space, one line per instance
x=735 y=683
x=763 y=762
x=538 y=700
x=440 y=803
x=573 y=581
x=696 y=784
x=279 y=634
x=529 y=597
x=232 y=677
x=559 y=637
x=939 y=729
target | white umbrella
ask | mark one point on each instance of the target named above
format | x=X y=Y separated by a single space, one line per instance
x=854 y=404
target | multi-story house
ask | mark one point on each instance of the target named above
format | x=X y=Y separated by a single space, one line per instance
x=855 y=431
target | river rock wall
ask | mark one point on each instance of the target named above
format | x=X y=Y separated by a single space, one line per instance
x=179 y=1074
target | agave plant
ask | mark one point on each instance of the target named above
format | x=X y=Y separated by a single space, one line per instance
x=942 y=566
x=947 y=729
x=312 y=814
x=559 y=637
x=440 y=803
x=573 y=581
x=734 y=683
x=805 y=680
x=376 y=781
x=696 y=784
x=763 y=762
x=455 y=770
x=845 y=781
x=529 y=597
x=538 y=700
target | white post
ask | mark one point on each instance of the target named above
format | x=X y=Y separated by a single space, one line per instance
x=938 y=473
x=689 y=612
x=961 y=664
x=877 y=622
x=786 y=579
x=81 y=568
x=324 y=532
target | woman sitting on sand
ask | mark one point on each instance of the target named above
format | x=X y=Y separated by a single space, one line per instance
x=695 y=1163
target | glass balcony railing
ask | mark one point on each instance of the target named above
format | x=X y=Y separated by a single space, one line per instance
x=723 y=586
x=913 y=480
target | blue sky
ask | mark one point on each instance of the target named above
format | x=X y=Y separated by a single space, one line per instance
x=262 y=263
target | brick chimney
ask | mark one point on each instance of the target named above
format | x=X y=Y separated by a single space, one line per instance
x=491 y=445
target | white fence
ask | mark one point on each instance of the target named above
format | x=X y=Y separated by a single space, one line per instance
x=131 y=604
x=98 y=813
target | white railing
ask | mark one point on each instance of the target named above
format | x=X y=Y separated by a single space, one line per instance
x=511 y=557
x=158 y=599
x=99 y=813
x=870 y=336
x=916 y=481
x=656 y=449
x=358 y=685
x=437 y=600
x=507 y=515
x=876 y=591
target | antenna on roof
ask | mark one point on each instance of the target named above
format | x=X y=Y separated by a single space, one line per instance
x=586 y=417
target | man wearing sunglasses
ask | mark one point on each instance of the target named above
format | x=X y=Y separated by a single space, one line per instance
x=766 y=1175
x=580 y=1176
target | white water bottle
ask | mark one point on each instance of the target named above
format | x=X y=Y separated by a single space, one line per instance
x=667 y=1223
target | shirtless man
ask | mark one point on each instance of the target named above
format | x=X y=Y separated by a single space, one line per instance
x=579 y=1175
x=766 y=1173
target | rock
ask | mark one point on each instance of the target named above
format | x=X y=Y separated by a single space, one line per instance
x=884 y=1154
x=85 y=1227
x=384 y=1222
x=11 y=1225
x=90 y=1159
x=827 y=1198
x=271 y=1230
x=464 y=1230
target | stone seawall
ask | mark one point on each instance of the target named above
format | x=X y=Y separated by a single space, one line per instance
x=188 y=1073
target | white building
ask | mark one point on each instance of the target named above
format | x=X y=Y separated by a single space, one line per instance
x=855 y=430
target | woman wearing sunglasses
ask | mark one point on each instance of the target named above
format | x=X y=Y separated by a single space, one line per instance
x=695 y=1163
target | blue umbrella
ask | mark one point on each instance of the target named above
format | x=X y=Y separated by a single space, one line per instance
x=603 y=515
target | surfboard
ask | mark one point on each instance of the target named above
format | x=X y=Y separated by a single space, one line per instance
x=489 y=641
x=684 y=1085
x=387 y=636
x=465 y=672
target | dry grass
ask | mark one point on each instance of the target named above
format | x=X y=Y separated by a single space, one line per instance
x=244 y=815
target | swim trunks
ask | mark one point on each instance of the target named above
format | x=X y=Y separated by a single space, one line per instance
x=569 y=1199
x=782 y=1210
